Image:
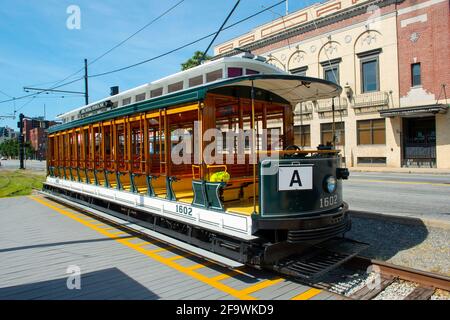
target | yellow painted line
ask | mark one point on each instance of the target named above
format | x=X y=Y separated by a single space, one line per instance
x=99 y=224
x=199 y=266
x=404 y=182
x=117 y=233
x=157 y=250
x=261 y=285
x=224 y=276
x=174 y=258
x=109 y=228
x=141 y=244
x=308 y=294
x=240 y=294
x=227 y=275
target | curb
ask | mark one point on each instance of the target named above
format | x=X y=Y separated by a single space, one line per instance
x=408 y=220
x=393 y=170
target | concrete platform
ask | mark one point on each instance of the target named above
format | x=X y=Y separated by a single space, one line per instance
x=41 y=239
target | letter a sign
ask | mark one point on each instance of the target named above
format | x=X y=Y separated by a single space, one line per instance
x=295 y=178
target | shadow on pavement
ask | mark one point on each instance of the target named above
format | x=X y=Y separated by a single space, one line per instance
x=387 y=237
x=107 y=284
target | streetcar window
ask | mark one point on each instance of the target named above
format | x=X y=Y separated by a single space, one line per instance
x=195 y=81
x=214 y=75
x=234 y=72
x=126 y=101
x=156 y=92
x=250 y=71
x=175 y=86
x=140 y=97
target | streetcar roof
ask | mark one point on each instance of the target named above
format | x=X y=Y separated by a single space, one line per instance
x=290 y=88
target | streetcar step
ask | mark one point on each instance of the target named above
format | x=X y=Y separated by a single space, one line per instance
x=319 y=259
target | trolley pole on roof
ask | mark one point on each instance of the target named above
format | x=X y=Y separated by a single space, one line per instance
x=220 y=29
x=86 y=87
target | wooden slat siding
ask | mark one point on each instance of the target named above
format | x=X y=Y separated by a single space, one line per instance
x=128 y=144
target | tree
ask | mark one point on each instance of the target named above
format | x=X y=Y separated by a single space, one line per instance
x=194 y=61
x=10 y=148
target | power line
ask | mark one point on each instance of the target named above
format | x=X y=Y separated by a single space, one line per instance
x=185 y=45
x=24 y=105
x=4 y=93
x=155 y=57
x=56 y=84
x=128 y=38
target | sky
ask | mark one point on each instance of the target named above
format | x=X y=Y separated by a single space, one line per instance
x=38 y=49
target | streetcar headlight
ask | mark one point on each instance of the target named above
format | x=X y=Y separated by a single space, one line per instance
x=331 y=184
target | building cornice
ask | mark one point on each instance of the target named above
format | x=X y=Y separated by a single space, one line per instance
x=312 y=25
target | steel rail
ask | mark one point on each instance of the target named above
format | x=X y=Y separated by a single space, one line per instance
x=424 y=278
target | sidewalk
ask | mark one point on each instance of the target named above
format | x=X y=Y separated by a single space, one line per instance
x=400 y=170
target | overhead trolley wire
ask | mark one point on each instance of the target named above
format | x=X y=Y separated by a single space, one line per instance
x=185 y=45
x=61 y=83
x=155 y=57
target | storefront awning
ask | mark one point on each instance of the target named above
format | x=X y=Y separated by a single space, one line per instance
x=420 y=111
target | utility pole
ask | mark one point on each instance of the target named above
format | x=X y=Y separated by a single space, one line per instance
x=21 y=140
x=47 y=90
x=86 y=87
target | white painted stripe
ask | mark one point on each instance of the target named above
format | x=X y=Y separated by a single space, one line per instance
x=421 y=18
x=419 y=6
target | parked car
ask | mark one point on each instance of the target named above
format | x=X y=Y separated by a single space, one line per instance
x=3 y=158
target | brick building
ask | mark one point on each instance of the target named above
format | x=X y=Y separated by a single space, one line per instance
x=35 y=132
x=392 y=59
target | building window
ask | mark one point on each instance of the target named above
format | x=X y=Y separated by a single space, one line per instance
x=126 y=101
x=156 y=93
x=175 y=87
x=214 y=75
x=369 y=74
x=302 y=135
x=415 y=75
x=331 y=70
x=300 y=71
x=371 y=131
x=370 y=70
x=140 y=97
x=326 y=133
x=195 y=81
x=371 y=160
x=234 y=72
x=331 y=73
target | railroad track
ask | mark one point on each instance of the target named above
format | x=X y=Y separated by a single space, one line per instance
x=367 y=279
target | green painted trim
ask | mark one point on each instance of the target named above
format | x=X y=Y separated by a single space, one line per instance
x=155 y=103
x=105 y=174
x=198 y=186
x=170 y=193
x=87 y=176
x=133 y=188
x=150 y=190
x=185 y=96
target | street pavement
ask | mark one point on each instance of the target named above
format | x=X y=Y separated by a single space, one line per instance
x=34 y=165
x=416 y=195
